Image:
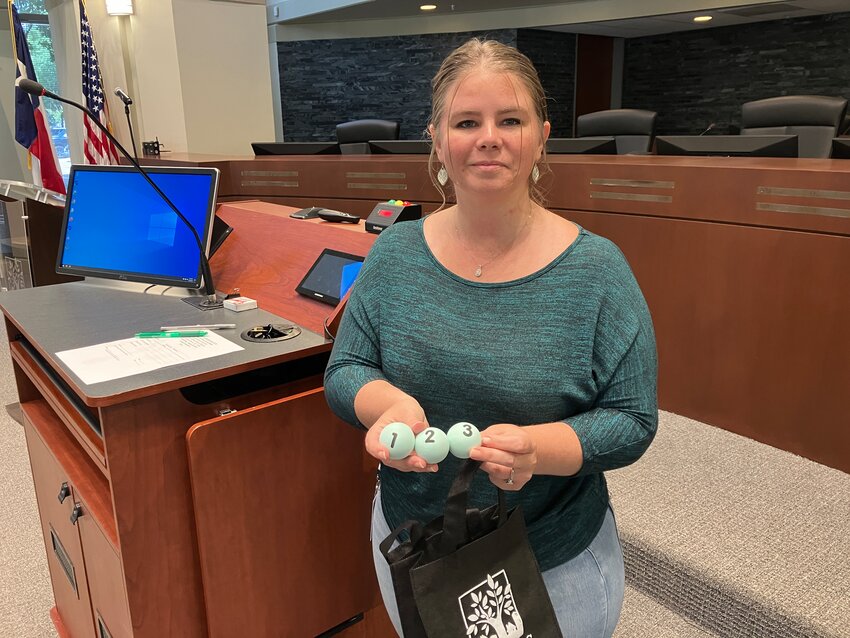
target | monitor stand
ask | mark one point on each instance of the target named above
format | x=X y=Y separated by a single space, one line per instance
x=199 y=300
x=146 y=289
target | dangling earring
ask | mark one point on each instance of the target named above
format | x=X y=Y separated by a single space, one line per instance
x=535 y=174
x=442 y=176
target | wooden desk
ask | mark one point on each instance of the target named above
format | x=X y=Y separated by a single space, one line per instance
x=206 y=500
x=744 y=263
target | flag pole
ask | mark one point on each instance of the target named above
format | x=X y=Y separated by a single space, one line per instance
x=9 y=4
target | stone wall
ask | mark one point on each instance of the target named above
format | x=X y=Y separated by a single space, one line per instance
x=325 y=82
x=690 y=78
x=554 y=57
x=695 y=78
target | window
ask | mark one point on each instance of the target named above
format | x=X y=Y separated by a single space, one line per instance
x=37 y=28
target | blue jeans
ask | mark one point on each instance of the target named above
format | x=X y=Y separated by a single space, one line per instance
x=586 y=592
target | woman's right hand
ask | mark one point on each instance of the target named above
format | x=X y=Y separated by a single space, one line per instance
x=413 y=415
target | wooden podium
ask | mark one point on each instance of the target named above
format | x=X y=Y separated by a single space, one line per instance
x=217 y=497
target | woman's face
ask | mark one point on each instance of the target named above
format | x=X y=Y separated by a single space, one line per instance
x=490 y=137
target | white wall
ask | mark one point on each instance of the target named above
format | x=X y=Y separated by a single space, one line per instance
x=197 y=70
x=152 y=52
x=224 y=75
x=200 y=71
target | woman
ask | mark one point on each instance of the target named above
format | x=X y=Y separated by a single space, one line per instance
x=498 y=312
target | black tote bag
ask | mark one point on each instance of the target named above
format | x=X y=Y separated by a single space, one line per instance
x=469 y=572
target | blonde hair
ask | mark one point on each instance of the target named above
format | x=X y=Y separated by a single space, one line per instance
x=492 y=56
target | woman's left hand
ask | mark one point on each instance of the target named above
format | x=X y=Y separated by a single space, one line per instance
x=508 y=453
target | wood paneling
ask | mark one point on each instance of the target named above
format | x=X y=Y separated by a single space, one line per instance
x=282 y=494
x=761 y=234
x=84 y=475
x=747 y=321
x=594 y=67
x=269 y=253
x=106 y=580
x=149 y=475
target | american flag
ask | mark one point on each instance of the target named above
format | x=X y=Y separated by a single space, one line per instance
x=31 y=129
x=97 y=149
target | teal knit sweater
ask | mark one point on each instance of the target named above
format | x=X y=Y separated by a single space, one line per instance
x=571 y=342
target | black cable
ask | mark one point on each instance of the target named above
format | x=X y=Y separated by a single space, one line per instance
x=328 y=333
x=34 y=88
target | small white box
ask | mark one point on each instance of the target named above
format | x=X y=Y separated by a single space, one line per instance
x=238 y=304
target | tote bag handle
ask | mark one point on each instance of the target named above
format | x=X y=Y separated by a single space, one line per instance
x=455 y=528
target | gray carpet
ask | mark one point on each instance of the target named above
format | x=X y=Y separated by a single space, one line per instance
x=740 y=537
x=645 y=617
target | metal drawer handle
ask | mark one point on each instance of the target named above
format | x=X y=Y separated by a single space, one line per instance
x=76 y=513
x=64 y=492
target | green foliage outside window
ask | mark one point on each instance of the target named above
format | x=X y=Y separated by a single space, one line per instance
x=31 y=6
x=33 y=16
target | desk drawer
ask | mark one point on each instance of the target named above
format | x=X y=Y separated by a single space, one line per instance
x=106 y=581
x=61 y=537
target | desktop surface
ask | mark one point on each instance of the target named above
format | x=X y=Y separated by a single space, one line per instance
x=90 y=314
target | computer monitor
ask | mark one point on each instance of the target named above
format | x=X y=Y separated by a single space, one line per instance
x=727 y=145
x=589 y=145
x=116 y=226
x=221 y=230
x=841 y=147
x=295 y=148
x=407 y=147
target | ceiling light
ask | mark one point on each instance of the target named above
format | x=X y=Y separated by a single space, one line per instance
x=703 y=19
x=119 y=7
x=427 y=7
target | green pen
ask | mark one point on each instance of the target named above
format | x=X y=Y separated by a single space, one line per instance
x=174 y=333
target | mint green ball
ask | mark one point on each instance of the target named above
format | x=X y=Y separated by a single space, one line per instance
x=432 y=444
x=463 y=437
x=398 y=438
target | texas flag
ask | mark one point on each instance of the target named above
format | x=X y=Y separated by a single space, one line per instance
x=30 y=119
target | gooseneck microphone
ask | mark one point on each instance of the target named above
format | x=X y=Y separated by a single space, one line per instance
x=124 y=97
x=710 y=128
x=127 y=102
x=211 y=301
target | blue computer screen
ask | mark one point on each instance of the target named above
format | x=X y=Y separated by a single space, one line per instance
x=117 y=226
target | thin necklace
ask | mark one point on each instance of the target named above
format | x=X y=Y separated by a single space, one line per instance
x=481 y=265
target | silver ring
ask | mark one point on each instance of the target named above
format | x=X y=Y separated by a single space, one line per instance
x=510 y=479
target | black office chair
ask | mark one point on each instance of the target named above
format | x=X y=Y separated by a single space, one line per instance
x=633 y=129
x=814 y=119
x=353 y=137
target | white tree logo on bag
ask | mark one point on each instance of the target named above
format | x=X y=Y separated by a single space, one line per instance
x=489 y=610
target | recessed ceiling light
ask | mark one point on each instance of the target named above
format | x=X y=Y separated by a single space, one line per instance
x=427 y=7
x=703 y=19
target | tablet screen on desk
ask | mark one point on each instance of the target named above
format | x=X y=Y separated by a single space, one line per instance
x=331 y=276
